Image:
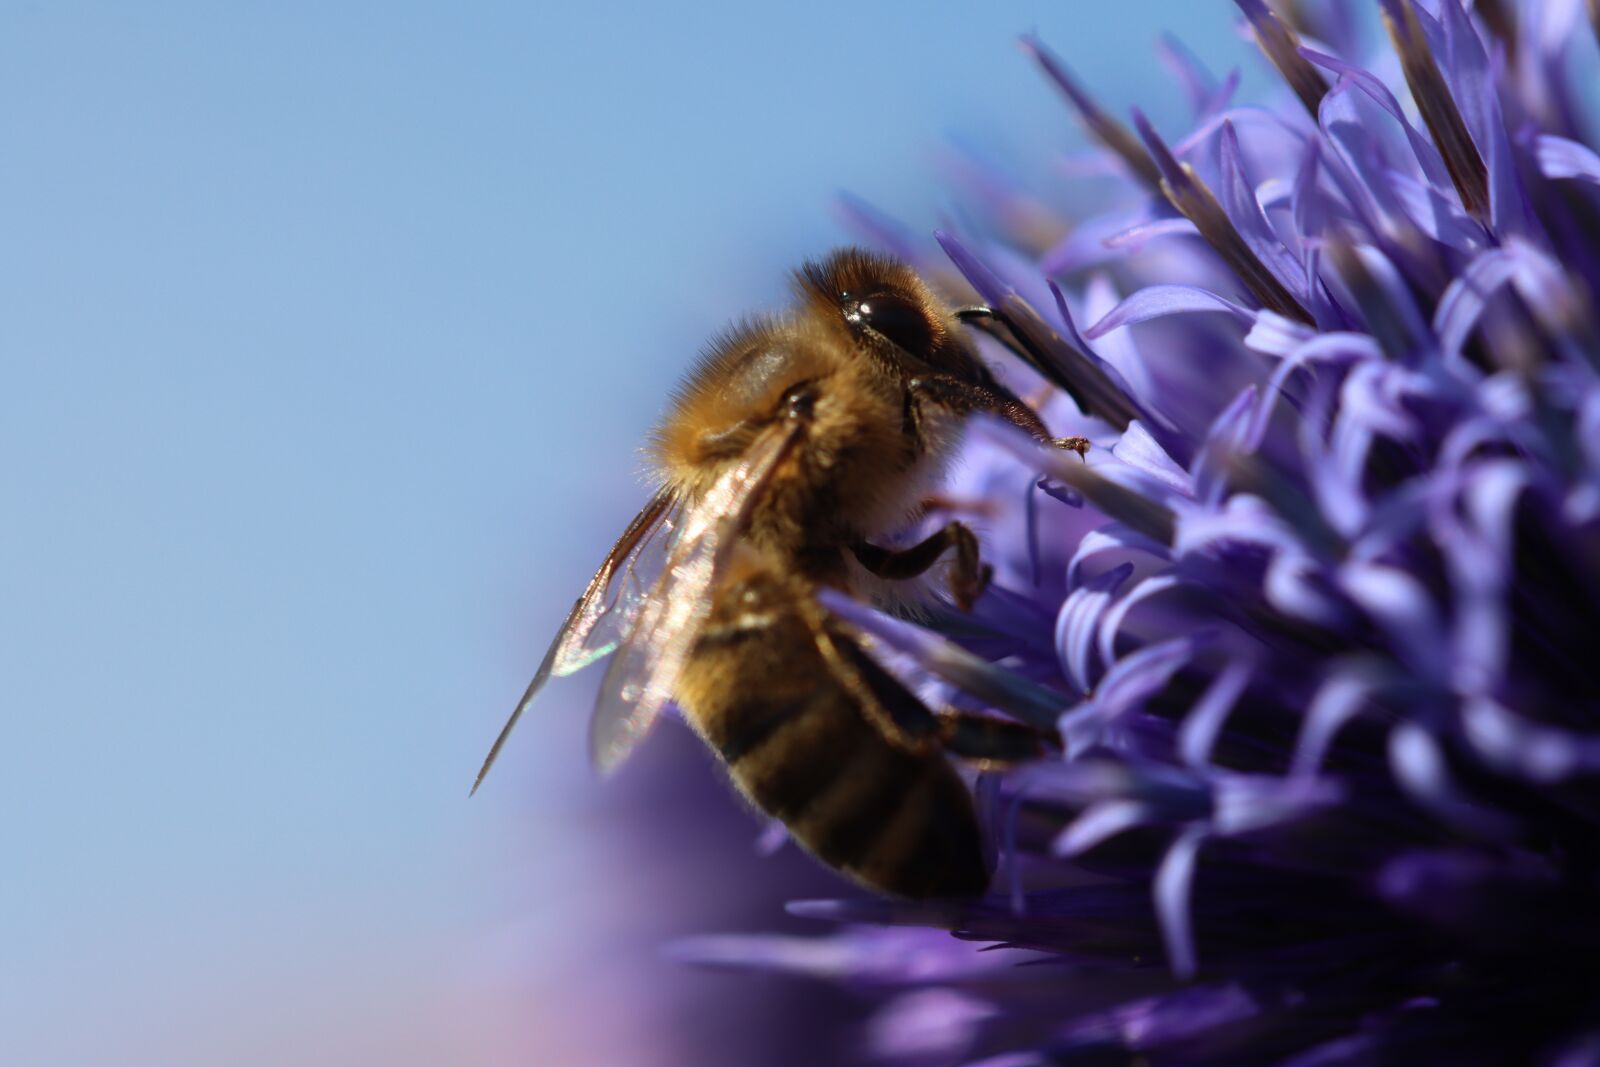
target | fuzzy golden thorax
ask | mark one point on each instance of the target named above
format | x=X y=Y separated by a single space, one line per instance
x=847 y=479
x=857 y=351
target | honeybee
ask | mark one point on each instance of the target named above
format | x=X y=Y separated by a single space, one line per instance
x=795 y=447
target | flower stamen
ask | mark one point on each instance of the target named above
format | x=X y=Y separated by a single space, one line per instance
x=1186 y=192
x=1105 y=129
x=1282 y=45
x=1438 y=108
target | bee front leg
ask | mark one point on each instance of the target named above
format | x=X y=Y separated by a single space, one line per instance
x=965 y=396
x=968 y=578
x=988 y=741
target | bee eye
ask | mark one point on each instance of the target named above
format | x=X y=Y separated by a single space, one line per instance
x=798 y=401
x=892 y=317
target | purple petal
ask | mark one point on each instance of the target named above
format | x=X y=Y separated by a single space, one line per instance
x=1111 y=626
x=1247 y=804
x=990 y=288
x=1144 y=453
x=1112 y=537
x=1099 y=822
x=1111 y=371
x=1135 y=237
x=875 y=956
x=1225 y=439
x=1401 y=605
x=1129 y=681
x=1150 y=517
x=1156 y=301
x=1203 y=724
x=1247 y=217
x=1278 y=128
x=1427 y=156
x=1119 y=350
x=1436 y=216
x=1514 y=745
x=1310 y=209
x=1273 y=335
x=1197 y=82
x=928 y=1023
x=1337 y=470
x=1466 y=297
x=1561 y=158
x=1173 y=883
x=1374 y=396
x=1334 y=348
x=1244 y=520
x=1161 y=1024
x=1171 y=170
x=1298 y=585
x=1144 y=673
x=1069 y=325
x=1013 y=1059
x=1080 y=615
x=1391 y=289
x=1419 y=766
x=1478 y=551
x=1087 y=243
x=1343 y=696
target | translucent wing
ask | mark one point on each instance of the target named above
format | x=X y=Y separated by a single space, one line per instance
x=606 y=612
x=608 y=607
x=641 y=678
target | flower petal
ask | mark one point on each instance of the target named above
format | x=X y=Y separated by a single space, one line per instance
x=1080 y=615
x=1203 y=724
x=1561 y=158
x=1157 y=301
x=1174 y=882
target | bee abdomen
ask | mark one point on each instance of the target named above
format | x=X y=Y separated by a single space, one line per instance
x=900 y=821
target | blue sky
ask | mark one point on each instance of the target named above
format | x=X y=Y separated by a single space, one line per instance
x=330 y=335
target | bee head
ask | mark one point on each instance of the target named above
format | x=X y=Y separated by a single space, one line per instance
x=890 y=313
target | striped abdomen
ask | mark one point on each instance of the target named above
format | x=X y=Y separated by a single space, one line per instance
x=760 y=694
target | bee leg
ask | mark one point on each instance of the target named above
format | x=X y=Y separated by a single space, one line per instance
x=957 y=505
x=904 y=720
x=965 y=396
x=988 y=741
x=897 y=713
x=968 y=578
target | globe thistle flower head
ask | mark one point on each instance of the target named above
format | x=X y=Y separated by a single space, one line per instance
x=1315 y=619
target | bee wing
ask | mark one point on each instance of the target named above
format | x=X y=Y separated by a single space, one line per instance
x=599 y=615
x=606 y=611
x=644 y=673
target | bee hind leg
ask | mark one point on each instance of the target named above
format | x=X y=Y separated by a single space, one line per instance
x=905 y=721
x=989 y=741
x=968 y=578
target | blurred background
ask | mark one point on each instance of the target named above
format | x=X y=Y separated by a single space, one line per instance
x=330 y=334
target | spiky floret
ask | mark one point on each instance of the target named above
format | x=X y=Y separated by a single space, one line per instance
x=1317 y=621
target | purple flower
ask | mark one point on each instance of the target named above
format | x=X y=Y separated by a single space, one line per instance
x=1318 y=620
